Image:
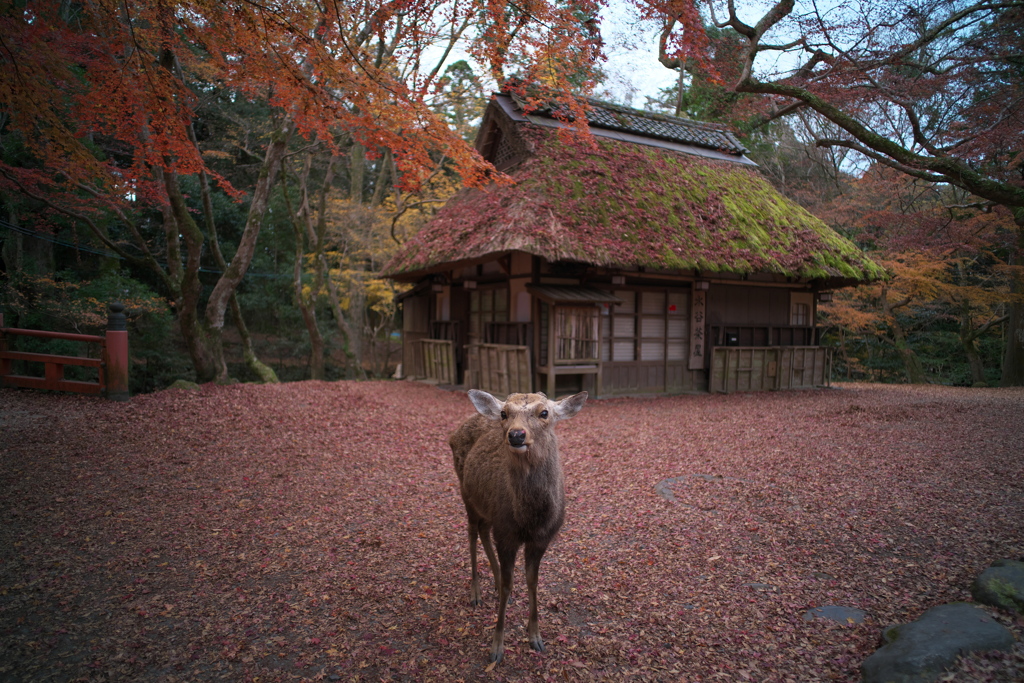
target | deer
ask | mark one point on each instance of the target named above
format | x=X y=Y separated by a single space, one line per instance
x=510 y=477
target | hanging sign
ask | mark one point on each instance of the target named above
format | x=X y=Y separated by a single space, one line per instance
x=697 y=346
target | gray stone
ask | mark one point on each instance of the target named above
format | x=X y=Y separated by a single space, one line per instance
x=184 y=384
x=761 y=587
x=921 y=650
x=1001 y=585
x=836 y=613
x=664 y=487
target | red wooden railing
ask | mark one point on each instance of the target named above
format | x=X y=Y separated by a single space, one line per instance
x=112 y=361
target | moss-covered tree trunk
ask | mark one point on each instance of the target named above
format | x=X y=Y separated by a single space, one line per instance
x=969 y=335
x=228 y=283
x=911 y=363
x=265 y=373
x=203 y=349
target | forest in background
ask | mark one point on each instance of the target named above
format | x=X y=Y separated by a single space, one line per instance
x=239 y=177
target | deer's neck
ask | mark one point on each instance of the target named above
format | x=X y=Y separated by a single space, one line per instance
x=538 y=491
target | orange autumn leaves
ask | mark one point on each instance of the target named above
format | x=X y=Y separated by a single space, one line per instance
x=104 y=94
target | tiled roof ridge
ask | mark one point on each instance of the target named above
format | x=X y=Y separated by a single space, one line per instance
x=657 y=116
x=607 y=115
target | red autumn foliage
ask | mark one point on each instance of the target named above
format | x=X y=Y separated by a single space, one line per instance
x=314 y=531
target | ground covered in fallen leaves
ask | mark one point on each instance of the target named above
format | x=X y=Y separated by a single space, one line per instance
x=314 y=531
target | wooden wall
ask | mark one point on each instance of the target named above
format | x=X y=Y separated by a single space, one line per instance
x=415 y=326
x=739 y=368
x=748 y=305
x=645 y=343
x=500 y=369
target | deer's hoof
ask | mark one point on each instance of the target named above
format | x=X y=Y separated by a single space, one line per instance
x=496 y=657
x=537 y=644
x=475 y=602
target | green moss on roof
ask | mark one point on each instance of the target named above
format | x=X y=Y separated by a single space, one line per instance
x=626 y=205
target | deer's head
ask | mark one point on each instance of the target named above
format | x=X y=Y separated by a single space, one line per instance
x=527 y=419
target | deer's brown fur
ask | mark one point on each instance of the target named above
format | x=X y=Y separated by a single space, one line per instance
x=510 y=476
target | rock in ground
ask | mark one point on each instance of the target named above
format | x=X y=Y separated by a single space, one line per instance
x=921 y=650
x=836 y=613
x=1001 y=585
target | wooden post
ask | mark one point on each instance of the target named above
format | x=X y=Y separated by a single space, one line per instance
x=116 y=354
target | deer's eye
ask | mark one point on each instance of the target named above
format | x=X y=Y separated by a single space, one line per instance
x=504 y=415
x=543 y=414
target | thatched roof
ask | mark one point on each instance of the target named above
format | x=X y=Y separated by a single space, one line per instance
x=625 y=205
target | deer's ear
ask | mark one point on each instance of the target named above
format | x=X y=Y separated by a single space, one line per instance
x=485 y=404
x=570 y=405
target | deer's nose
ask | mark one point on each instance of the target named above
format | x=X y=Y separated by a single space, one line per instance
x=516 y=437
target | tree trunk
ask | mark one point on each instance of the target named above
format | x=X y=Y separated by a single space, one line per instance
x=260 y=369
x=974 y=359
x=968 y=337
x=350 y=329
x=27 y=254
x=307 y=234
x=204 y=349
x=844 y=352
x=357 y=172
x=232 y=276
x=357 y=326
x=12 y=251
x=205 y=339
x=1013 y=353
x=307 y=308
x=911 y=363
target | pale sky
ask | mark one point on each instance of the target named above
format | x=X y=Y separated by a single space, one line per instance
x=632 y=69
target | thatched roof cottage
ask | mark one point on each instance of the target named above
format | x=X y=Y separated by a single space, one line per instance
x=656 y=261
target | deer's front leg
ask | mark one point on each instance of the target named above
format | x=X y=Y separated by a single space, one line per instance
x=507 y=560
x=533 y=555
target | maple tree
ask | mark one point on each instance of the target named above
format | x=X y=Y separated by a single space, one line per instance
x=946 y=268
x=109 y=105
x=342 y=239
x=923 y=288
x=932 y=89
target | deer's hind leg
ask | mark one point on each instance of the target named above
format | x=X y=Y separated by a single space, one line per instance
x=485 y=538
x=480 y=528
x=474 y=532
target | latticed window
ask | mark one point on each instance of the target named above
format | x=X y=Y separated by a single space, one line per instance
x=577 y=333
x=800 y=310
x=801 y=315
x=486 y=306
x=506 y=152
x=648 y=326
x=619 y=322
